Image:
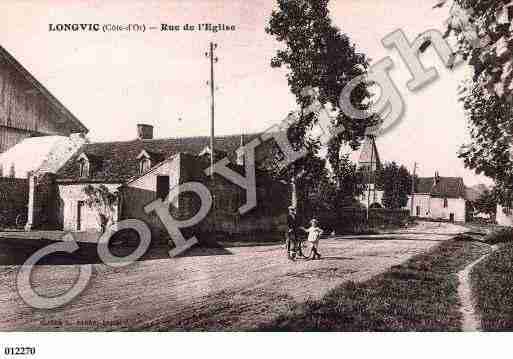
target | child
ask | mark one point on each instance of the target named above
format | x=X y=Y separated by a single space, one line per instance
x=314 y=234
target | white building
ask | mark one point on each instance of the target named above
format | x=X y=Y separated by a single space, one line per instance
x=504 y=216
x=439 y=198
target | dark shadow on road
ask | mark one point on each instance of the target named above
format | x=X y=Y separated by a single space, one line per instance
x=390 y=238
x=336 y=258
x=428 y=233
x=15 y=251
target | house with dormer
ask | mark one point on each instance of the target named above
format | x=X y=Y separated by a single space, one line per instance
x=146 y=168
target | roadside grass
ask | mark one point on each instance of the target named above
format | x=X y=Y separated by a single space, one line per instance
x=418 y=295
x=499 y=235
x=492 y=285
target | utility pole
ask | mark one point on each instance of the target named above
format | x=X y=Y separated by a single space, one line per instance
x=211 y=56
x=213 y=59
x=373 y=142
x=369 y=179
x=413 y=187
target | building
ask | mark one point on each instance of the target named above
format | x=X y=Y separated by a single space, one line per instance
x=28 y=109
x=145 y=169
x=504 y=216
x=439 y=197
x=369 y=163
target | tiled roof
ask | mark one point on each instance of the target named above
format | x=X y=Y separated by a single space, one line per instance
x=118 y=160
x=449 y=187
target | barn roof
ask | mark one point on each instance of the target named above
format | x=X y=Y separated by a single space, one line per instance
x=56 y=104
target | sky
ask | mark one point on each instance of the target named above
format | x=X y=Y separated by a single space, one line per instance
x=113 y=80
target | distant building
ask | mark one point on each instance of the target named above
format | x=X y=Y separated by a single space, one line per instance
x=504 y=216
x=369 y=163
x=28 y=109
x=439 y=198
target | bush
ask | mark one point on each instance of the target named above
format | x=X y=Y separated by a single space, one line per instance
x=501 y=235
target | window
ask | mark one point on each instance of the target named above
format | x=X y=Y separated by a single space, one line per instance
x=144 y=165
x=446 y=204
x=83 y=168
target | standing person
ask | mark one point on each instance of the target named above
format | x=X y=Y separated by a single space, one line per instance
x=314 y=234
x=292 y=227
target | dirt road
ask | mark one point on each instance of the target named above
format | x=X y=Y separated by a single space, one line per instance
x=208 y=289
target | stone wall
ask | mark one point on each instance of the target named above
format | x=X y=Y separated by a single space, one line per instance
x=354 y=220
x=42 y=202
x=13 y=200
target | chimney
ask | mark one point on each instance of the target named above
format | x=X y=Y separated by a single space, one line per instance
x=144 y=131
x=437 y=178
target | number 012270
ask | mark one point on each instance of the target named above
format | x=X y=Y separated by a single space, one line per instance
x=19 y=350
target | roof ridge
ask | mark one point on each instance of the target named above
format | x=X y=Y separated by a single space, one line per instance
x=172 y=138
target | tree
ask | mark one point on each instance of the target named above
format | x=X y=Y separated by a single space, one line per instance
x=483 y=30
x=315 y=188
x=320 y=196
x=350 y=182
x=491 y=133
x=395 y=181
x=317 y=55
x=103 y=201
x=486 y=203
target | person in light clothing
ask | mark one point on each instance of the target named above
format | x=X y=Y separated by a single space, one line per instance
x=314 y=234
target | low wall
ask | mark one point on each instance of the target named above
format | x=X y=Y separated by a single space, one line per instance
x=13 y=200
x=352 y=219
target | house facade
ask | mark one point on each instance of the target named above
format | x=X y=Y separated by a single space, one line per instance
x=439 y=197
x=145 y=169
